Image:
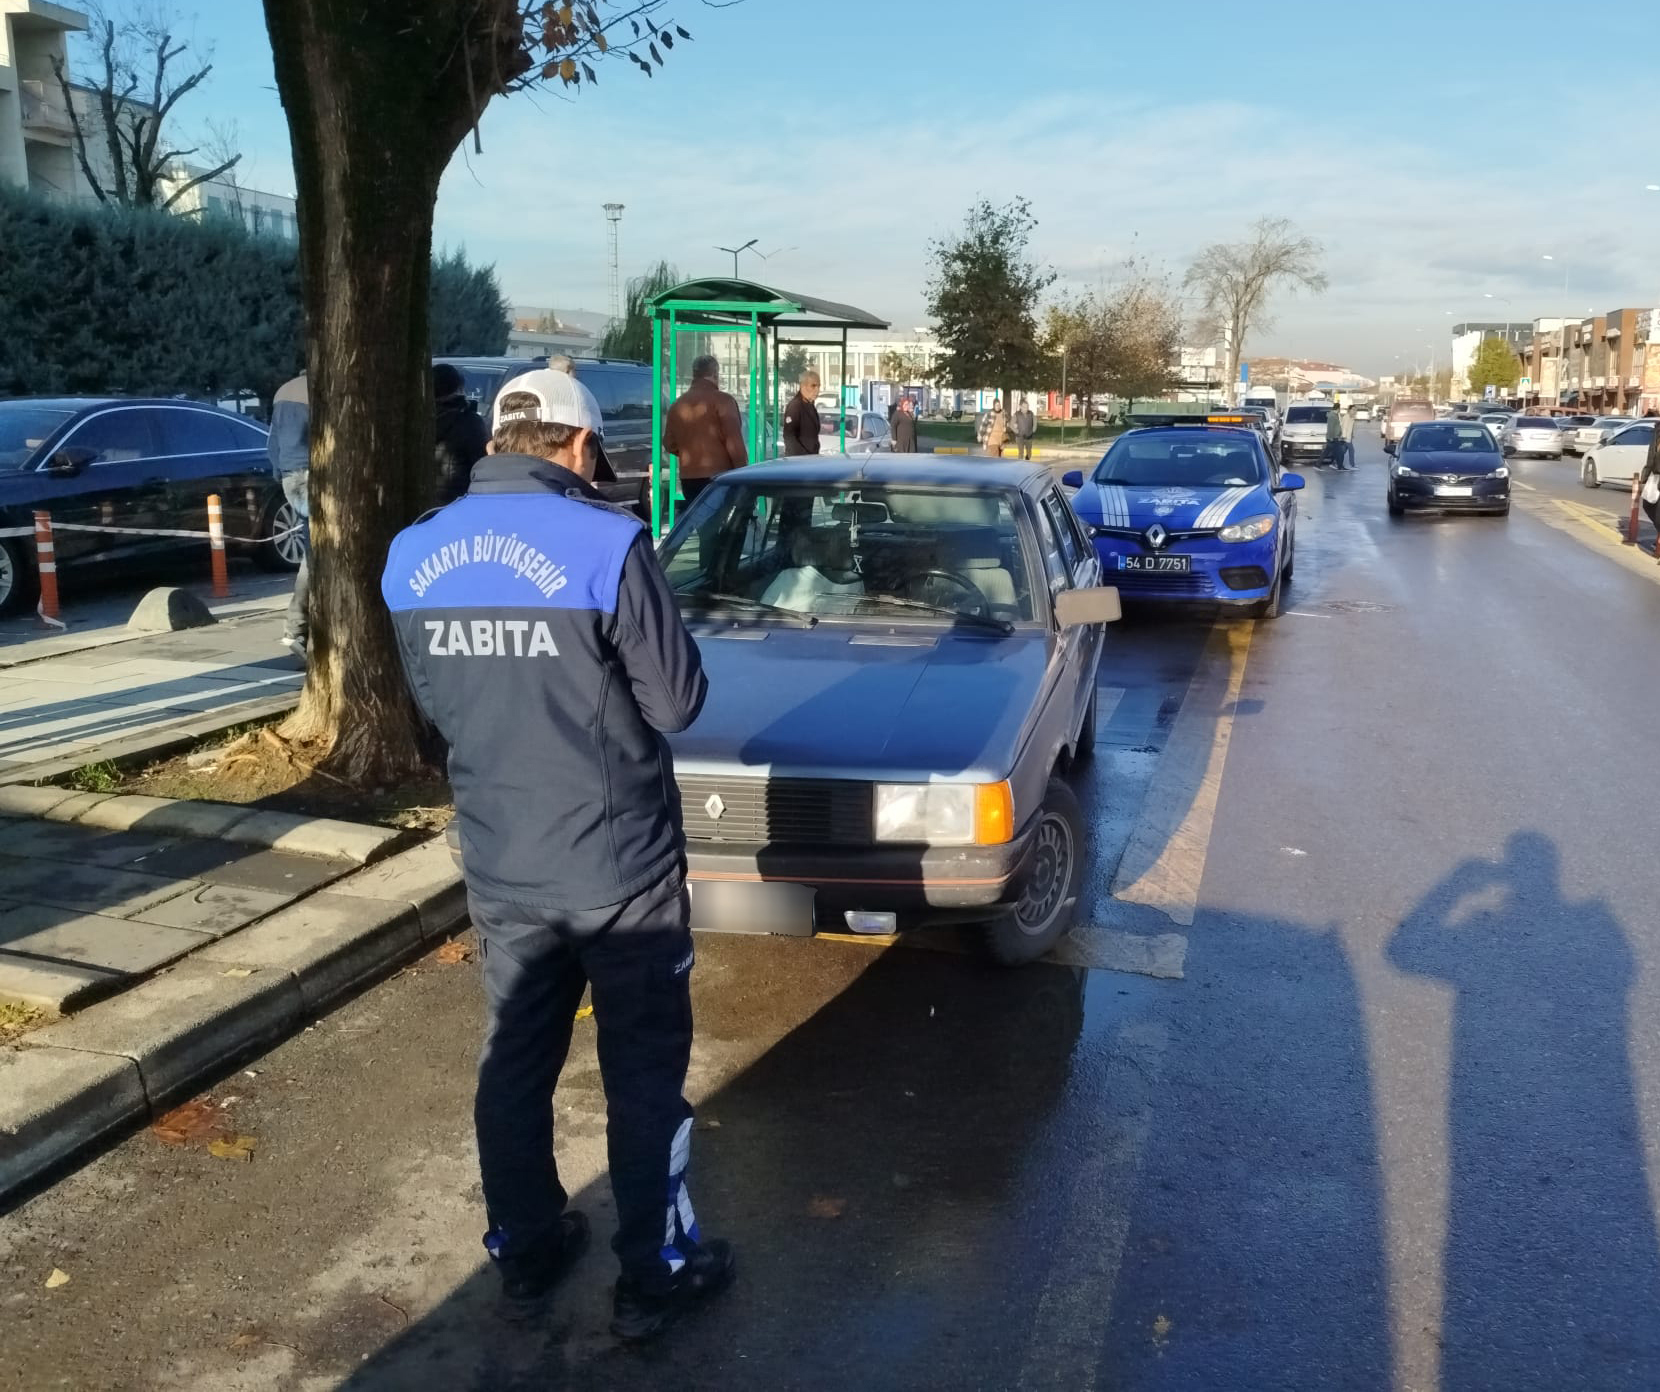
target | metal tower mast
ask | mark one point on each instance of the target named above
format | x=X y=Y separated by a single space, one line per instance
x=613 y=215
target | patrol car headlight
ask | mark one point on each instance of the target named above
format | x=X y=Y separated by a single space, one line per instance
x=1251 y=529
x=944 y=814
x=1401 y=471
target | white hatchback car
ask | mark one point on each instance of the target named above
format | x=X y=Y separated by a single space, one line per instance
x=1620 y=459
x=1536 y=435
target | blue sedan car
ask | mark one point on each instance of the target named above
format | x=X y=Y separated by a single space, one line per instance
x=1195 y=511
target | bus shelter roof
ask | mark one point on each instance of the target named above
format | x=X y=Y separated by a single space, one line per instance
x=719 y=300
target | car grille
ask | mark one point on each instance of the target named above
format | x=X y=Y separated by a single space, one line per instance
x=1459 y=478
x=772 y=811
x=1132 y=582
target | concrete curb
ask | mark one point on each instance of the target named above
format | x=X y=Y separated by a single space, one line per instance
x=71 y=1085
x=223 y=821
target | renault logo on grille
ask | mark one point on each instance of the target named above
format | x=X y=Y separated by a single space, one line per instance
x=715 y=807
x=1157 y=536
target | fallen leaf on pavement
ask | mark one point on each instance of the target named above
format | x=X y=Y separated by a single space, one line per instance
x=586 y=1013
x=237 y=971
x=56 y=1279
x=247 y=1339
x=821 y=1207
x=232 y=1148
x=455 y=950
x=189 y=1121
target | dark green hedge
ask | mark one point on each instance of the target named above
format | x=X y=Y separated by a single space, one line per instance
x=98 y=299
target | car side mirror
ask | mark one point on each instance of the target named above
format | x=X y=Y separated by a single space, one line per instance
x=1096 y=605
x=66 y=463
x=1290 y=483
x=1072 y=478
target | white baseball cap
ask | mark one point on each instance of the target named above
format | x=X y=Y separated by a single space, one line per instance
x=560 y=400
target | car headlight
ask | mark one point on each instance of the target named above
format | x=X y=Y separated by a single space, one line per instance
x=1501 y=472
x=945 y=814
x=1251 y=529
x=1401 y=471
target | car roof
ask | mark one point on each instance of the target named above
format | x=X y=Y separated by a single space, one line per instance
x=935 y=470
x=87 y=403
x=1243 y=432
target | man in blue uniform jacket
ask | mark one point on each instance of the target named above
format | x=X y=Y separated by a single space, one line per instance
x=541 y=639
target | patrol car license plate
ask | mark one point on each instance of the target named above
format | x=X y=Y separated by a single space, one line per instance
x=1447 y=490
x=1162 y=565
x=744 y=906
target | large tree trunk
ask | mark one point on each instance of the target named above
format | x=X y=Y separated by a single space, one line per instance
x=377 y=100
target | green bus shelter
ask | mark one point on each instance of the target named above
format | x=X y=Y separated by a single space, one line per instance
x=718 y=305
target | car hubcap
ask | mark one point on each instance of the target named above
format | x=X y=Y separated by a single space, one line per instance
x=8 y=575
x=292 y=546
x=1051 y=873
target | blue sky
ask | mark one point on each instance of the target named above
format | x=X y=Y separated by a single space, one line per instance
x=1437 y=150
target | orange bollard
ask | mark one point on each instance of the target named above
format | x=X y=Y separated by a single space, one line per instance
x=1631 y=524
x=216 y=540
x=46 y=562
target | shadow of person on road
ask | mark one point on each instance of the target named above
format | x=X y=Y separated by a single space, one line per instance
x=1552 y=1273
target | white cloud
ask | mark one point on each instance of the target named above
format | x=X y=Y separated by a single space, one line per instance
x=1414 y=235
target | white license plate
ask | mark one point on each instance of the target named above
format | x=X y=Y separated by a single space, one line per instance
x=1447 y=490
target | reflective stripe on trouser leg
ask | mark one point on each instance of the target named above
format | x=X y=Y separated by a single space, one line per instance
x=680 y=1225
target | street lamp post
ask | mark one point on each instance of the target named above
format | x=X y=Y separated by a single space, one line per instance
x=1562 y=356
x=1063 y=399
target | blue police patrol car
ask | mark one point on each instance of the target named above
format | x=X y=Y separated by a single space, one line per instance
x=1192 y=509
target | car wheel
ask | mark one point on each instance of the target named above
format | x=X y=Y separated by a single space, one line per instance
x=284 y=548
x=1290 y=561
x=1588 y=474
x=1054 y=875
x=1395 y=509
x=1270 y=608
x=17 y=576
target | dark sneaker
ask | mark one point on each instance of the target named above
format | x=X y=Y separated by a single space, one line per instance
x=526 y=1278
x=639 y=1315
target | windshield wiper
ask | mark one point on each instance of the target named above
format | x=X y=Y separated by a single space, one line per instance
x=707 y=600
x=985 y=621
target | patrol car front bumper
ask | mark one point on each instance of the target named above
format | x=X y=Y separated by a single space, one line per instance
x=737 y=884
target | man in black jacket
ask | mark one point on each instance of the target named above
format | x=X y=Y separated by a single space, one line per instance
x=462 y=436
x=801 y=418
x=540 y=637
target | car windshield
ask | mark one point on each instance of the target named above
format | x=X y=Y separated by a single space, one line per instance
x=1472 y=439
x=850 y=552
x=24 y=429
x=1187 y=458
x=1303 y=414
x=1535 y=423
x=1412 y=413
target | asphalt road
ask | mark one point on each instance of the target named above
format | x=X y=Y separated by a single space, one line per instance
x=1381 y=1117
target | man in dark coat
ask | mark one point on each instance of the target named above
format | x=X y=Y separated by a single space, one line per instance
x=462 y=434
x=801 y=424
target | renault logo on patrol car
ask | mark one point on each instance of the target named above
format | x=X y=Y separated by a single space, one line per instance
x=1157 y=536
x=715 y=807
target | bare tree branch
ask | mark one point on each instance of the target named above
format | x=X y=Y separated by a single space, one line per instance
x=192 y=182
x=77 y=131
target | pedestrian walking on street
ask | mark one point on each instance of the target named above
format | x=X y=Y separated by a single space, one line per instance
x=704 y=430
x=1648 y=484
x=904 y=427
x=1025 y=427
x=289 y=449
x=553 y=663
x=462 y=435
x=997 y=429
x=801 y=423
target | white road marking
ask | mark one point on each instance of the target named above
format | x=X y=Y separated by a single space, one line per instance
x=1304 y=614
x=1068 y=1332
x=1165 y=860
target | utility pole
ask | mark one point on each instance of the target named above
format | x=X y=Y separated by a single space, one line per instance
x=613 y=216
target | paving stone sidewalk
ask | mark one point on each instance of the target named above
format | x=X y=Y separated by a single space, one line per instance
x=91 y=906
x=83 y=706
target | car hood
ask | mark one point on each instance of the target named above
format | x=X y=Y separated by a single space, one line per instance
x=900 y=704
x=1452 y=462
x=1178 y=508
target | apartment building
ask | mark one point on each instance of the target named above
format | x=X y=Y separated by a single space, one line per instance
x=36 y=134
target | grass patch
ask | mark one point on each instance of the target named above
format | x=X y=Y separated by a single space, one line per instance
x=15 y=1018
x=102 y=777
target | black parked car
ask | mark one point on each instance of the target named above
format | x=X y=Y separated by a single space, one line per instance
x=132 y=463
x=1450 y=466
x=620 y=386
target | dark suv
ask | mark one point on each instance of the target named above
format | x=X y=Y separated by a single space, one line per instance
x=623 y=390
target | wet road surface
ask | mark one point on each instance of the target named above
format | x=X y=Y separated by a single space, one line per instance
x=1376 y=1110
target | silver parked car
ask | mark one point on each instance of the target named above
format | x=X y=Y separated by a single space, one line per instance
x=1531 y=435
x=1588 y=437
